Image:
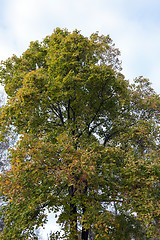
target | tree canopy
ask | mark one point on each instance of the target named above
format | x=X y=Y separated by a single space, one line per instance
x=88 y=142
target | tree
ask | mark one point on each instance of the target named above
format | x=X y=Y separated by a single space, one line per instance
x=89 y=142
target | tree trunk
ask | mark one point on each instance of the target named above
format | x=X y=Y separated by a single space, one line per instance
x=85 y=232
x=73 y=215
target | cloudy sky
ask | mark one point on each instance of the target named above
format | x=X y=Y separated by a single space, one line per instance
x=134 y=26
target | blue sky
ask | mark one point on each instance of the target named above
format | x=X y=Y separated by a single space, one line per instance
x=134 y=26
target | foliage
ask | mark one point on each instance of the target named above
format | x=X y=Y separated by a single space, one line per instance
x=89 y=142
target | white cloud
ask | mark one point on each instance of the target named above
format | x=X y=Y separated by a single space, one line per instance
x=140 y=51
x=51 y=226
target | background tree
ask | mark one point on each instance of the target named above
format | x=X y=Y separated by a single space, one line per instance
x=4 y=146
x=89 y=141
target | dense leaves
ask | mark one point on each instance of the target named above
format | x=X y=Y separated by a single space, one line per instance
x=88 y=142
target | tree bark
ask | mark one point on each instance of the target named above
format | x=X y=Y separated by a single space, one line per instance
x=85 y=232
x=73 y=215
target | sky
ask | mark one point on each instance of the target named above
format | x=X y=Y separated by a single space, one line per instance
x=134 y=26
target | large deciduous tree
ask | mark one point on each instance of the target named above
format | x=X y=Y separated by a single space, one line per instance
x=88 y=142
